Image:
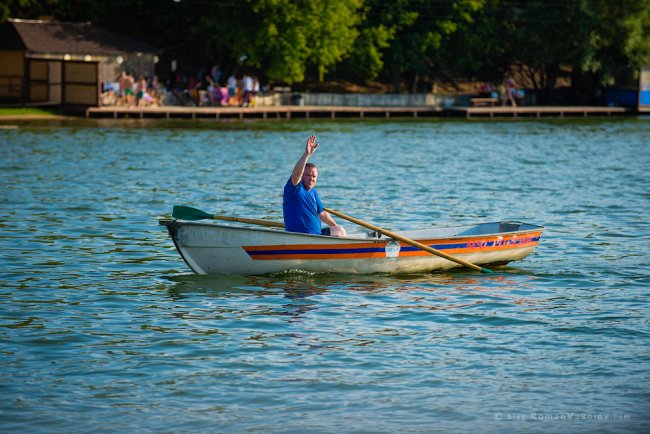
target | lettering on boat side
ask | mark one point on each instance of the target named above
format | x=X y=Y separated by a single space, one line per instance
x=477 y=244
x=500 y=241
x=392 y=249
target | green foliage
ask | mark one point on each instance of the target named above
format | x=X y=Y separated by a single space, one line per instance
x=541 y=37
x=406 y=38
x=286 y=37
x=367 y=52
x=24 y=8
x=398 y=41
x=619 y=38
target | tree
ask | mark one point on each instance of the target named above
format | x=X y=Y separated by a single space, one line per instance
x=402 y=42
x=544 y=40
x=617 y=41
x=597 y=39
x=288 y=38
x=407 y=38
x=24 y=8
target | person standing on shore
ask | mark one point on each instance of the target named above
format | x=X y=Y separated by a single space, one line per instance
x=232 y=89
x=302 y=208
x=126 y=88
x=511 y=89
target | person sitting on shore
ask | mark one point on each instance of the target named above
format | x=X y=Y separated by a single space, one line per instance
x=157 y=91
x=486 y=90
x=108 y=97
x=302 y=208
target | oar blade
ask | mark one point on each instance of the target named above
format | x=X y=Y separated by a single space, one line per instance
x=188 y=213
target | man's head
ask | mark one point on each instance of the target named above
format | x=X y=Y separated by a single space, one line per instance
x=309 y=176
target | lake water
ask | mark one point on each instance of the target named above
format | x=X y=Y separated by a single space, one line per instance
x=103 y=328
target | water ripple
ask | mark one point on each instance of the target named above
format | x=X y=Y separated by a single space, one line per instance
x=103 y=328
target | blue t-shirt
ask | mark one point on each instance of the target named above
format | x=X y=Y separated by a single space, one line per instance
x=301 y=208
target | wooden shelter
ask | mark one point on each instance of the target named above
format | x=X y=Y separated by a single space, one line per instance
x=58 y=63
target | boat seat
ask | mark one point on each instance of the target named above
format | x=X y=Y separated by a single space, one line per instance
x=490 y=228
x=508 y=227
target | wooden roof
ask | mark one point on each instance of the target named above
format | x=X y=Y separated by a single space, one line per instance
x=60 y=37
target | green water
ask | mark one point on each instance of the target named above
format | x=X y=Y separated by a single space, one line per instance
x=103 y=328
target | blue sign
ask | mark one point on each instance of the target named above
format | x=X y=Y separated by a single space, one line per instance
x=644 y=89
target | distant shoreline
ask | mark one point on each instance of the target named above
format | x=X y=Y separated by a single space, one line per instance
x=10 y=114
x=315 y=113
x=40 y=117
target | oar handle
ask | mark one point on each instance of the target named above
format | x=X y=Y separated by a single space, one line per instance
x=409 y=241
x=250 y=221
x=188 y=213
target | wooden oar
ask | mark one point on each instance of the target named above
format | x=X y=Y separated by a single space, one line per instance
x=413 y=243
x=189 y=213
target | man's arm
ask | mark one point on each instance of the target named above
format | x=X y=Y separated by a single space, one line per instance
x=335 y=230
x=326 y=218
x=299 y=168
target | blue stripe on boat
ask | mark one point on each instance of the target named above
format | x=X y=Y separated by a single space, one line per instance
x=364 y=250
x=313 y=251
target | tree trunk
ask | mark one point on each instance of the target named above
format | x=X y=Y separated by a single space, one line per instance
x=416 y=82
x=396 y=78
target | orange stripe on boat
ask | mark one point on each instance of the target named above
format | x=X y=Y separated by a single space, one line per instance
x=378 y=250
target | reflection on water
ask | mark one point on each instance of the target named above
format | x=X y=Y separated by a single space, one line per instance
x=103 y=325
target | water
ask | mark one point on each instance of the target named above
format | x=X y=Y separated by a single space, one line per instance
x=104 y=329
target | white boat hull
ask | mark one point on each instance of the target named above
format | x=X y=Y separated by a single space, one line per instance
x=210 y=248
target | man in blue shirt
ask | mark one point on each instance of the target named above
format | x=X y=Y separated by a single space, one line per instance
x=303 y=210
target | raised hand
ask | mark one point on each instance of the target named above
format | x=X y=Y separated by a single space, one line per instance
x=311 y=145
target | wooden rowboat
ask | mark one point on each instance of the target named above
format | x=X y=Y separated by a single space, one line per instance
x=212 y=248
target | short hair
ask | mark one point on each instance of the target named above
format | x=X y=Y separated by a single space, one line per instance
x=310 y=165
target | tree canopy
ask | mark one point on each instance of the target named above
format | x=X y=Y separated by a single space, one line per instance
x=405 y=43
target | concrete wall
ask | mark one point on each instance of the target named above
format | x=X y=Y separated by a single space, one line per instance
x=355 y=100
x=372 y=100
